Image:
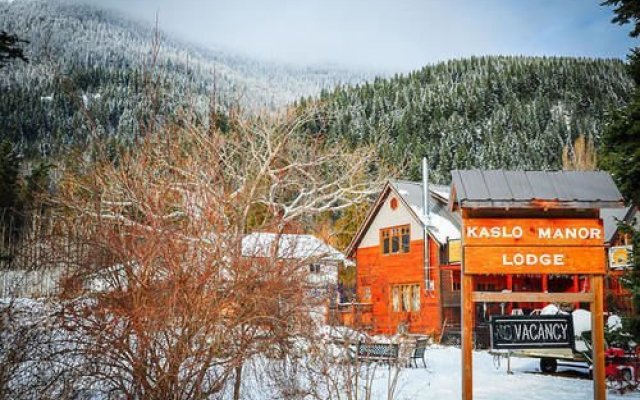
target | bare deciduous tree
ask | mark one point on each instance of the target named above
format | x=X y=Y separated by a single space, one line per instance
x=172 y=302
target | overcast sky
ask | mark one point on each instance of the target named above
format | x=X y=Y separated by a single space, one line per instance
x=391 y=35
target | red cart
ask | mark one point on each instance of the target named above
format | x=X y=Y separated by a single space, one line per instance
x=622 y=369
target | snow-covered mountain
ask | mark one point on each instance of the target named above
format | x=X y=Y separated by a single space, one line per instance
x=98 y=57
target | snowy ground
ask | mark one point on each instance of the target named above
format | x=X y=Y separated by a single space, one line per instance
x=441 y=380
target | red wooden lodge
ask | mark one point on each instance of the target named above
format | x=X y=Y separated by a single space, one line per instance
x=408 y=261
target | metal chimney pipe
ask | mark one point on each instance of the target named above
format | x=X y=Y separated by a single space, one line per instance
x=427 y=222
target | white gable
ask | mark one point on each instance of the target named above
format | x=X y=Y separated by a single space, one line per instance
x=387 y=217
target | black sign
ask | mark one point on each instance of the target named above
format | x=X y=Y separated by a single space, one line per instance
x=532 y=332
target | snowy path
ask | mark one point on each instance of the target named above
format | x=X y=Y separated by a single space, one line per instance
x=441 y=380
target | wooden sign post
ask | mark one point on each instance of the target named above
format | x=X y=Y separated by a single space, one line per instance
x=492 y=243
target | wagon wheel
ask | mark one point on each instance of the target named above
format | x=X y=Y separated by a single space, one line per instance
x=614 y=384
x=622 y=381
x=628 y=380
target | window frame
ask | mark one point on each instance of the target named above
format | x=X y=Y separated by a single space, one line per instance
x=398 y=236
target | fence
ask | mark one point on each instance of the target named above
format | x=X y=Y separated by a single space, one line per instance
x=37 y=249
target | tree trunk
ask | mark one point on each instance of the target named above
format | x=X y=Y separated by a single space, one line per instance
x=236 y=385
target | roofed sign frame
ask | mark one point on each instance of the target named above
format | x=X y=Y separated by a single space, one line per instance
x=532 y=222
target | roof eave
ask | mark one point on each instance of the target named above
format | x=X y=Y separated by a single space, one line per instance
x=367 y=221
x=533 y=204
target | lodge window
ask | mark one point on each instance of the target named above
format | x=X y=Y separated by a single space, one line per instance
x=395 y=240
x=455 y=286
x=314 y=268
x=405 y=298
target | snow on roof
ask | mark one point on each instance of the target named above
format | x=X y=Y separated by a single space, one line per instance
x=442 y=225
x=440 y=190
x=261 y=244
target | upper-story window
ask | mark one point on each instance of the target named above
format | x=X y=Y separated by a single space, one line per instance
x=395 y=240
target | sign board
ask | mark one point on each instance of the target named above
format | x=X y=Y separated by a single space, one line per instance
x=556 y=230
x=620 y=256
x=533 y=246
x=455 y=251
x=534 y=260
x=532 y=332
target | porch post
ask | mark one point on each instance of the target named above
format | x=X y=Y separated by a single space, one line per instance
x=467 y=337
x=597 y=329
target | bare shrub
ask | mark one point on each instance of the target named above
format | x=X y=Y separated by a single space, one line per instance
x=169 y=303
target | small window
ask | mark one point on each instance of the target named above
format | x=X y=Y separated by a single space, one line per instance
x=395 y=244
x=396 y=240
x=314 y=268
x=405 y=239
x=386 y=241
x=455 y=286
x=406 y=298
x=415 y=293
x=395 y=298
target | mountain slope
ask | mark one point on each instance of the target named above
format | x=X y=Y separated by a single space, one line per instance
x=489 y=112
x=85 y=56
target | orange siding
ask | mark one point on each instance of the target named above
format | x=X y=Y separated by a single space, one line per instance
x=379 y=272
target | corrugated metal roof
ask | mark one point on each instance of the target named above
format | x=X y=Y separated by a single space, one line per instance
x=499 y=188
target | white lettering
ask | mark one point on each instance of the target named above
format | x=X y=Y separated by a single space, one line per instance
x=518 y=331
x=530 y=259
x=518 y=259
x=545 y=259
x=570 y=233
x=517 y=232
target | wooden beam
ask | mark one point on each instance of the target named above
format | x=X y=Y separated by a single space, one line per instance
x=467 y=337
x=597 y=332
x=531 y=297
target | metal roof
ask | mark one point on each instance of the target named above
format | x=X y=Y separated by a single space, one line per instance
x=610 y=218
x=529 y=189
